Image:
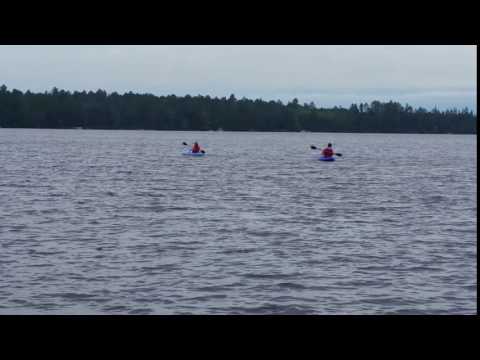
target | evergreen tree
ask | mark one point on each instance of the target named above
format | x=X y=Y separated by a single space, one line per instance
x=100 y=110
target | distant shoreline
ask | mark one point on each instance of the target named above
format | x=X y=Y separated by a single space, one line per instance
x=246 y=131
x=59 y=109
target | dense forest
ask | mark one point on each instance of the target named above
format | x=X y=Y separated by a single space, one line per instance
x=99 y=110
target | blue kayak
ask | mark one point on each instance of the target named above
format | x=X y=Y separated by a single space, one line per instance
x=330 y=158
x=189 y=152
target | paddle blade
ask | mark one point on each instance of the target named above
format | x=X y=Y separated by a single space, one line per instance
x=202 y=151
x=184 y=143
x=338 y=154
x=313 y=147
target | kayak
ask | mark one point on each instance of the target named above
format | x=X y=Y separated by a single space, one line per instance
x=188 y=152
x=330 y=158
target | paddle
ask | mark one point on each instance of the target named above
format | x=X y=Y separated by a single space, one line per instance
x=315 y=148
x=202 y=151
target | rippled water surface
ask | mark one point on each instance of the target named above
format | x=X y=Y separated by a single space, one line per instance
x=119 y=222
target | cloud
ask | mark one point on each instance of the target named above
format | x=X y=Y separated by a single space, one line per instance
x=335 y=72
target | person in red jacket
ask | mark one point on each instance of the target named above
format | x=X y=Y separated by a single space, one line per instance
x=328 y=151
x=195 y=148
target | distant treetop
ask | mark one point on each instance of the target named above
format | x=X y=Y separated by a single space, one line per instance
x=100 y=110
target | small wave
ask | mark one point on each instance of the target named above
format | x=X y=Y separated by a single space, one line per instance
x=274 y=309
x=259 y=233
x=7 y=261
x=159 y=267
x=238 y=251
x=270 y=276
x=417 y=268
x=376 y=268
x=290 y=285
x=36 y=252
x=41 y=265
x=116 y=308
x=71 y=296
x=145 y=311
x=17 y=228
x=409 y=311
x=385 y=300
x=434 y=199
x=214 y=288
x=285 y=298
x=207 y=297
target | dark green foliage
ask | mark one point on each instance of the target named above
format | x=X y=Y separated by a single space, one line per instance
x=99 y=110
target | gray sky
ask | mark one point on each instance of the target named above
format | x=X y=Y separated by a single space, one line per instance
x=421 y=75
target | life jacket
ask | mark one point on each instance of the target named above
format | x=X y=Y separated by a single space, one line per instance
x=327 y=152
x=195 y=148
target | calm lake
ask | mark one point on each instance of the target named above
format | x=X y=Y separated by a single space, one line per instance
x=119 y=222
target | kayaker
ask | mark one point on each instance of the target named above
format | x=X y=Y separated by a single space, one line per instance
x=328 y=151
x=195 y=148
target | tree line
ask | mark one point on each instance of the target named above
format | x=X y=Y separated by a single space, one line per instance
x=61 y=109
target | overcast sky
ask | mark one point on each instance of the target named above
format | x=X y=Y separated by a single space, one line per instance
x=421 y=75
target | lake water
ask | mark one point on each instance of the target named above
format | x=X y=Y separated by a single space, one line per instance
x=119 y=222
